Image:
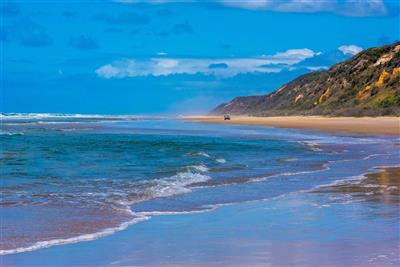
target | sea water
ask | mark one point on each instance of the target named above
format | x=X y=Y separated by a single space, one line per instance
x=73 y=178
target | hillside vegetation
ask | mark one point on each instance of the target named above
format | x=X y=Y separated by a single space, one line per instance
x=368 y=84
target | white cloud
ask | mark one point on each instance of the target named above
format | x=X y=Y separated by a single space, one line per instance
x=307 y=6
x=348 y=7
x=350 y=49
x=364 y=8
x=116 y=69
x=293 y=56
x=341 y=7
x=316 y=68
x=154 y=2
x=159 y=66
x=249 y=4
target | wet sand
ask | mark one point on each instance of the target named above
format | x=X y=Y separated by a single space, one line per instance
x=383 y=186
x=362 y=125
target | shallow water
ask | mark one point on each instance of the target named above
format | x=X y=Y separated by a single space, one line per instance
x=67 y=179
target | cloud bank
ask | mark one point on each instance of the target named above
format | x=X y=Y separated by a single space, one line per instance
x=159 y=66
x=350 y=49
x=361 y=8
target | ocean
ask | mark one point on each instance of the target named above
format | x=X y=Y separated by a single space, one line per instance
x=68 y=179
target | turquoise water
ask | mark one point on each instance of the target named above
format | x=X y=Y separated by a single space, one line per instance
x=69 y=179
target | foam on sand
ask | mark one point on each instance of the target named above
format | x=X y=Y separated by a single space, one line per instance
x=75 y=239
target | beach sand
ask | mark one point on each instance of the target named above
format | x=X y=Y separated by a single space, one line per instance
x=362 y=125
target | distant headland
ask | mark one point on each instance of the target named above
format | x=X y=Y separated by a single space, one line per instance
x=368 y=84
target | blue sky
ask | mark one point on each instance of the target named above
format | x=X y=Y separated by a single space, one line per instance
x=155 y=57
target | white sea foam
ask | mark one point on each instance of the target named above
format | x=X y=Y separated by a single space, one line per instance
x=155 y=213
x=75 y=239
x=11 y=133
x=321 y=206
x=373 y=186
x=387 y=166
x=392 y=188
x=289 y=159
x=262 y=179
x=177 y=184
x=212 y=207
x=221 y=160
x=203 y=154
x=375 y=155
x=313 y=145
x=22 y=116
x=347 y=180
x=325 y=168
x=200 y=168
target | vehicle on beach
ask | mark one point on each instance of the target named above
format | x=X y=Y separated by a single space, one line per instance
x=227 y=117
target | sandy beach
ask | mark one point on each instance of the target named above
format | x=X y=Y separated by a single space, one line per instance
x=363 y=125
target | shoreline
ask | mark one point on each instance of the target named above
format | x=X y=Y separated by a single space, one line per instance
x=386 y=174
x=354 y=125
x=54 y=254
